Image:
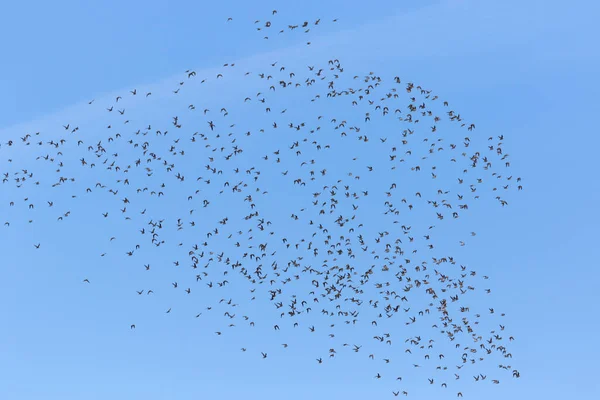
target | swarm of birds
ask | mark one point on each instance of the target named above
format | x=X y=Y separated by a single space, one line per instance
x=332 y=208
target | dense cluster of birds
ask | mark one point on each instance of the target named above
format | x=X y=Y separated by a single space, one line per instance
x=327 y=201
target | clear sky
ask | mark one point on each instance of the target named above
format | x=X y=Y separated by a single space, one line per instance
x=524 y=70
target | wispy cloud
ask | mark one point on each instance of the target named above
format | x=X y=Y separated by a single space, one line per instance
x=404 y=44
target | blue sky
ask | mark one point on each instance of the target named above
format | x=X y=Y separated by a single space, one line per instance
x=525 y=70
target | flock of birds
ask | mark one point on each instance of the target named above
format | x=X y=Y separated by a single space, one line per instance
x=327 y=208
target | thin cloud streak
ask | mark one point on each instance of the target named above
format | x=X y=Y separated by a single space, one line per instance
x=402 y=37
x=351 y=44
